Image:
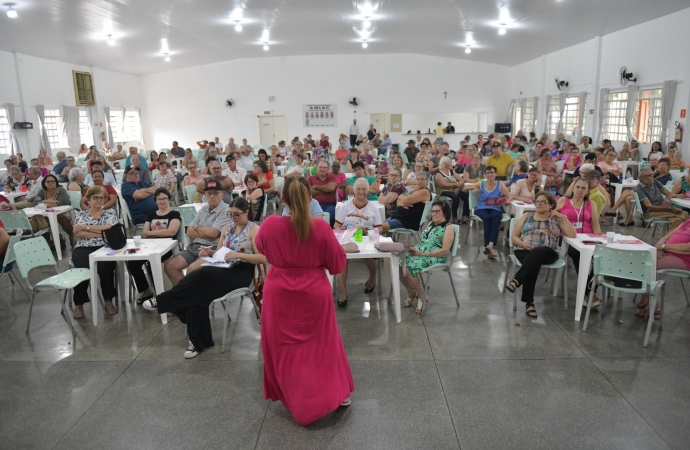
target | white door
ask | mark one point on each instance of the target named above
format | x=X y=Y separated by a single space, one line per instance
x=379 y=121
x=272 y=129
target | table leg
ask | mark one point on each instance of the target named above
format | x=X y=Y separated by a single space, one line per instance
x=559 y=272
x=395 y=281
x=55 y=230
x=94 y=290
x=157 y=272
x=586 y=256
x=619 y=191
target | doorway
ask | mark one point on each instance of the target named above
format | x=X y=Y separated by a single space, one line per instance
x=642 y=119
x=379 y=121
x=272 y=129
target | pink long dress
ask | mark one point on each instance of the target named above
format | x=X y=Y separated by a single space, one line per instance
x=305 y=365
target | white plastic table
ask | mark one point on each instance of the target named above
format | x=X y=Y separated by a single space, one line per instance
x=586 y=255
x=366 y=251
x=684 y=202
x=521 y=207
x=51 y=214
x=152 y=250
x=630 y=184
x=12 y=196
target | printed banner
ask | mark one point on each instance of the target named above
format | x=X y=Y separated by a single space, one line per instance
x=323 y=115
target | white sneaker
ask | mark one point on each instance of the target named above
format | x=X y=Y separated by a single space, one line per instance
x=150 y=304
x=191 y=351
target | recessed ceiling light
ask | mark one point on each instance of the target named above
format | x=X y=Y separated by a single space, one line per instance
x=111 y=41
x=365 y=45
x=265 y=47
x=367 y=9
x=367 y=24
x=167 y=58
x=11 y=13
x=468 y=50
x=238 y=26
x=502 y=30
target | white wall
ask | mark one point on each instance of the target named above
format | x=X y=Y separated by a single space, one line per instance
x=47 y=82
x=187 y=105
x=654 y=51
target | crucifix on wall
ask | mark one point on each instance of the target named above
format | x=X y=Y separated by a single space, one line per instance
x=445 y=94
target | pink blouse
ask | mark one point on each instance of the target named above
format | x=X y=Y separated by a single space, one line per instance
x=681 y=236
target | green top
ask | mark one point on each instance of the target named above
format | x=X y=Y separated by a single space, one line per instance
x=371 y=180
x=61 y=196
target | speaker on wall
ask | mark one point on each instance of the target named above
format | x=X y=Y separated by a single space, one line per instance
x=504 y=128
x=23 y=126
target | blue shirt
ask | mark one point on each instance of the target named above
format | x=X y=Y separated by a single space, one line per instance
x=386 y=142
x=59 y=167
x=516 y=178
x=314 y=208
x=138 y=209
x=144 y=163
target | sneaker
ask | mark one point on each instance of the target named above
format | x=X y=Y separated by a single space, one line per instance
x=191 y=351
x=150 y=304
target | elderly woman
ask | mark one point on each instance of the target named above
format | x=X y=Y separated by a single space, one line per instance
x=76 y=180
x=392 y=190
x=43 y=152
x=625 y=154
x=409 y=206
x=298 y=168
x=410 y=180
x=610 y=167
x=340 y=180
x=536 y=237
x=358 y=213
x=450 y=183
x=675 y=161
x=536 y=151
x=524 y=190
x=488 y=208
x=165 y=178
x=98 y=179
x=88 y=226
x=465 y=159
x=52 y=194
x=398 y=163
x=547 y=166
x=662 y=173
x=254 y=194
x=16 y=180
x=437 y=240
x=188 y=158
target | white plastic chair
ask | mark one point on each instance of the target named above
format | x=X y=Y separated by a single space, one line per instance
x=443 y=267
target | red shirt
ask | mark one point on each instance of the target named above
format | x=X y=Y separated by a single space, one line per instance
x=341 y=153
x=269 y=176
x=111 y=190
x=323 y=198
x=324 y=144
x=4 y=204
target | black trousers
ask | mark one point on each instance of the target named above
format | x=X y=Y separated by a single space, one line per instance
x=575 y=255
x=456 y=202
x=465 y=197
x=532 y=261
x=353 y=140
x=106 y=274
x=136 y=269
x=192 y=295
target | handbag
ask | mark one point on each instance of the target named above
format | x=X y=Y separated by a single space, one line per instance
x=115 y=236
x=258 y=291
x=397 y=249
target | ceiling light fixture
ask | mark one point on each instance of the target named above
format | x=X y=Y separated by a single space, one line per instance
x=367 y=9
x=264 y=36
x=365 y=45
x=366 y=24
x=265 y=47
x=111 y=41
x=468 y=50
x=238 y=26
x=11 y=12
x=502 y=30
x=167 y=58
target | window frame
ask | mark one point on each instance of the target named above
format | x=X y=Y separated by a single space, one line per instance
x=614 y=113
x=6 y=143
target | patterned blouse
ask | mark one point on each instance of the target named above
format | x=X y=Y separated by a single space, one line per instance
x=164 y=180
x=85 y=218
x=541 y=233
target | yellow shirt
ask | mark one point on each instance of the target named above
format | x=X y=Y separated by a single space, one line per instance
x=597 y=197
x=439 y=131
x=501 y=163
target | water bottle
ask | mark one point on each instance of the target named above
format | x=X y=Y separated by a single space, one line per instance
x=628 y=175
x=553 y=192
x=620 y=179
x=375 y=235
x=358 y=235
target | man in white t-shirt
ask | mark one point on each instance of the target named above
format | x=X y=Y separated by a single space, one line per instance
x=354 y=132
x=232 y=171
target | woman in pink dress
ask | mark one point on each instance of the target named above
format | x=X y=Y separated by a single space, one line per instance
x=305 y=365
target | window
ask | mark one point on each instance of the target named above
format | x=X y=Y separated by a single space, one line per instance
x=5 y=143
x=116 y=125
x=132 y=125
x=553 y=115
x=614 y=117
x=52 y=127
x=647 y=117
x=85 y=128
x=517 y=119
x=528 y=119
x=571 y=116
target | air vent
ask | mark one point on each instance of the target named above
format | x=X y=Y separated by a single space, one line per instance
x=83 y=88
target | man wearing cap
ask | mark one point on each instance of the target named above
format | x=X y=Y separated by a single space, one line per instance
x=236 y=174
x=138 y=195
x=108 y=177
x=501 y=160
x=215 y=173
x=411 y=151
x=204 y=230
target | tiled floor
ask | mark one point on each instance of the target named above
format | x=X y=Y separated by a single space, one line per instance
x=474 y=377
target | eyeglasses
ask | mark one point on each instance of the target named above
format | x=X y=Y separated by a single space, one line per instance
x=436 y=211
x=235 y=215
x=97 y=198
x=162 y=199
x=213 y=193
x=541 y=202
x=50 y=181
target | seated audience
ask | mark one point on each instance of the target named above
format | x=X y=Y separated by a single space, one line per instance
x=314 y=206
x=409 y=206
x=165 y=178
x=138 y=195
x=142 y=161
x=524 y=190
x=52 y=194
x=108 y=178
x=16 y=180
x=255 y=195
x=654 y=199
x=216 y=174
x=547 y=166
x=488 y=208
x=449 y=184
x=298 y=168
x=359 y=171
x=246 y=161
x=391 y=190
x=501 y=161
x=662 y=174
x=98 y=180
x=144 y=173
x=76 y=180
x=675 y=161
x=35 y=182
x=323 y=187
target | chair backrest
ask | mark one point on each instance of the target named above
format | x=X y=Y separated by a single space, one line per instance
x=121 y=162
x=426 y=212
x=638 y=204
x=187 y=213
x=32 y=253
x=75 y=199
x=190 y=193
x=15 y=220
x=543 y=181
x=265 y=207
x=279 y=183
x=154 y=172
x=513 y=222
x=326 y=216
x=10 y=254
x=125 y=210
x=473 y=200
x=119 y=177
x=628 y=264
x=454 y=247
x=559 y=165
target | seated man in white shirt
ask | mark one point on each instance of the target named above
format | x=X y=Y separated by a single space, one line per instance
x=108 y=178
x=233 y=171
x=36 y=180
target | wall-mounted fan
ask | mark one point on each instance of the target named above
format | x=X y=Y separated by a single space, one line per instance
x=229 y=102
x=626 y=76
x=353 y=101
x=561 y=84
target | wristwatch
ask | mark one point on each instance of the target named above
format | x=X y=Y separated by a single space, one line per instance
x=663 y=247
x=88 y=228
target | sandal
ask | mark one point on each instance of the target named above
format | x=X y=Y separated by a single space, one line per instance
x=342 y=302
x=407 y=303
x=465 y=220
x=492 y=255
x=346 y=402
x=78 y=312
x=421 y=306
x=531 y=312
x=513 y=285
x=369 y=290
x=141 y=300
x=110 y=308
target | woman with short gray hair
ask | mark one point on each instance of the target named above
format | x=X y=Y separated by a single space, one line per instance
x=76 y=180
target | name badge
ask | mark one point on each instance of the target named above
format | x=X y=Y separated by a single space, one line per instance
x=578 y=225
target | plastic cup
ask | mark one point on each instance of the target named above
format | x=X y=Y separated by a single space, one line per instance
x=610 y=236
x=137 y=241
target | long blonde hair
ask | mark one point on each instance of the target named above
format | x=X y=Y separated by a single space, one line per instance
x=296 y=196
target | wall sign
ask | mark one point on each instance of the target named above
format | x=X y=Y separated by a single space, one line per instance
x=320 y=115
x=682 y=114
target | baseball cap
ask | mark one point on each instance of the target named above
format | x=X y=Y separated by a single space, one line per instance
x=229 y=158
x=212 y=185
x=496 y=144
x=130 y=168
x=410 y=141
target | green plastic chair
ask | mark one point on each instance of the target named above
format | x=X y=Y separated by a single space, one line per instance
x=634 y=265
x=681 y=274
x=154 y=172
x=279 y=183
x=8 y=265
x=558 y=264
x=187 y=214
x=33 y=253
x=443 y=267
x=648 y=222
x=225 y=303
x=190 y=193
x=75 y=199
x=473 y=202
x=396 y=233
x=18 y=220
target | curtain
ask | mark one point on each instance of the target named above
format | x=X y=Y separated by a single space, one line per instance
x=547 y=115
x=561 y=106
x=14 y=144
x=97 y=141
x=533 y=125
x=511 y=111
x=109 y=130
x=603 y=103
x=70 y=125
x=45 y=143
x=141 y=129
x=581 y=116
x=630 y=109
x=521 y=125
x=668 y=93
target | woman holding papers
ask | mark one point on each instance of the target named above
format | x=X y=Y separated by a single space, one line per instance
x=216 y=273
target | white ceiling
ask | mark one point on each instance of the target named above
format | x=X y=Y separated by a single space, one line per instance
x=200 y=31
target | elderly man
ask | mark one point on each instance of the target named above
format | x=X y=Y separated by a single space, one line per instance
x=204 y=230
x=35 y=180
x=501 y=160
x=138 y=195
x=235 y=173
x=323 y=188
x=246 y=161
x=359 y=171
x=117 y=155
x=62 y=163
x=176 y=151
x=212 y=152
x=655 y=200
x=215 y=173
x=108 y=177
x=385 y=144
x=142 y=161
x=145 y=173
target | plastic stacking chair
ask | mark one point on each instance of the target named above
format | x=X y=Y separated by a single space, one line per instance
x=75 y=199
x=395 y=234
x=190 y=193
x=648 y=222
x=326 y=216
x=558 y=264
x=33 y=253
x=474 y=200
x=264 y=209
x=633 y=265
x=443 y=267
x=681 y=274
x=8 y=265
x=225 y=303
x=279 y=183
x=18 y=220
